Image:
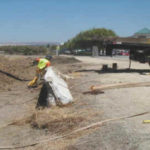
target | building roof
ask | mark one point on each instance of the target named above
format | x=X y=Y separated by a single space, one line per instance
x=143 y=31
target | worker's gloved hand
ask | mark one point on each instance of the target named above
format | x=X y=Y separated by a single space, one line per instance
x=30 y=84
x=33 y=82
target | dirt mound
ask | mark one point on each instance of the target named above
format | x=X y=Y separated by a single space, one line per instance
x=66 y=64
x=13 y=68
x=64 y=60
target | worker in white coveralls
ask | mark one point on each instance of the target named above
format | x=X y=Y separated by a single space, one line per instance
x=42 y=64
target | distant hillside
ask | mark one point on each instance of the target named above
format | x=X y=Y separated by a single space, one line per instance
x=28 y=43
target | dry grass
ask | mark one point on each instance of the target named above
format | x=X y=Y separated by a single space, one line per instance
x=56 y=119
x=60 y=121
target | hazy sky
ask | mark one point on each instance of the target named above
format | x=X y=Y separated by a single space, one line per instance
x=60 y=20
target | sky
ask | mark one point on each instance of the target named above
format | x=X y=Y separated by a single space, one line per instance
x=61 y=20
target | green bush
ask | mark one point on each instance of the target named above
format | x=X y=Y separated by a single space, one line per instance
x=27 y=50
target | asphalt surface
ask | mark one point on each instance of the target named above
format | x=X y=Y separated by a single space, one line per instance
x=126 y=134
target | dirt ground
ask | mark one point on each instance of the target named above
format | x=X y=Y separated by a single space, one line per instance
x=21 y=124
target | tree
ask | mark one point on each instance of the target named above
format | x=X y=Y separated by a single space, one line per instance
x=88 y=38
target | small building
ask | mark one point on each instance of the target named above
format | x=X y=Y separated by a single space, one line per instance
x=143 y=33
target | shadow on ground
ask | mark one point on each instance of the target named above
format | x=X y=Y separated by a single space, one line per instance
x=110 y=70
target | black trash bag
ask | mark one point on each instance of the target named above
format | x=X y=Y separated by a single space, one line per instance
x=46 y=91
